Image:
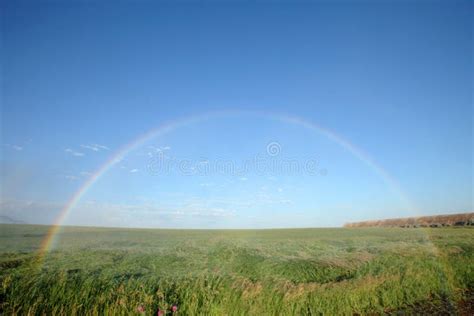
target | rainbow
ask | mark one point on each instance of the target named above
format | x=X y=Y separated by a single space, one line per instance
x=50 y=239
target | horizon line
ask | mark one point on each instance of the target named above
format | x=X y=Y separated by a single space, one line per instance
x=241 y=228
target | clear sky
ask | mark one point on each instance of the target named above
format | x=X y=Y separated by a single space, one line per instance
x=392 y=82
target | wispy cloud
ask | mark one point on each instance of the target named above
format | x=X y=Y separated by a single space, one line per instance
x=71 y=177
x=243 y=179
x=150 y=214
x=206 y=184
x=155 y=149
x=95 y=147
x=15 y=147
x=210 y=212
x=159 y=148
x=134 y=170
x=265 y=198
x=117 y=160
x=199 y=214
x=73 y=152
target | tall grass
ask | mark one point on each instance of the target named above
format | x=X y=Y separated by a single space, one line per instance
x=255 y=272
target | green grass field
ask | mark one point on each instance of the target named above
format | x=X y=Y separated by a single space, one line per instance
x=238 y=272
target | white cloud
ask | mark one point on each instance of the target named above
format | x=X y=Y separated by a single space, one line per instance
x=15 y=147
x=213 y=212
x=207 y=184
x=154 y=151
x=73 y=152
x=280 y=190
x=149 y=215
x=95 y=147
x=152 y=214
x=134 y=170
x=159 y=149
x=243 y=179
x=117 y=160
x=72 y=177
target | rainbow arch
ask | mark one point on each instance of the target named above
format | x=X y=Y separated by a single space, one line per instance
x=167 y=127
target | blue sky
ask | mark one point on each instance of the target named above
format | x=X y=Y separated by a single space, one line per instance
x=81 y=80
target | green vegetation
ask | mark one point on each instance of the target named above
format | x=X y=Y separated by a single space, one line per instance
x=235 y=272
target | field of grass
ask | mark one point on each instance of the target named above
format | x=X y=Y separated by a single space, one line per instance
x=237 y=272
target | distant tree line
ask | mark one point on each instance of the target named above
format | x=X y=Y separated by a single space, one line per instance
x=464 y=219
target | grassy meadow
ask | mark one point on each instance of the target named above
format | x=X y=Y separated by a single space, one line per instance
x=335 y=271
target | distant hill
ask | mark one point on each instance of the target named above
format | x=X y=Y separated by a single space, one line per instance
x=4 y=219
x=463 y=219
